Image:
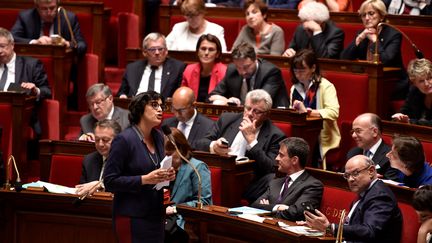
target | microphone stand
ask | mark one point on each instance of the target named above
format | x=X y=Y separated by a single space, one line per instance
x=17 y=185
x=60 y=10
x=417 y=51
x=167 y=132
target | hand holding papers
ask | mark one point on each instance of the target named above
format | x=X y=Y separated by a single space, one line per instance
x=165 y=164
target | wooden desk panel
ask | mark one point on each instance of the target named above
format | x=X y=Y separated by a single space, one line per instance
x=41 y=217
x=204 y=225
x=423 y=133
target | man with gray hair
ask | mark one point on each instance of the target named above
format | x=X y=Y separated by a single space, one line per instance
x=156 y=72
x=249 y=134
x=22 y=72
x=247 y=73
x=100 y=101
x=37 y=25
x=316 y=32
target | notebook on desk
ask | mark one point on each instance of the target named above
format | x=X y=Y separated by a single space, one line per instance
x=15 y=87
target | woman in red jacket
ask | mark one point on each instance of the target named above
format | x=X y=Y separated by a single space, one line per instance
x=202 y=77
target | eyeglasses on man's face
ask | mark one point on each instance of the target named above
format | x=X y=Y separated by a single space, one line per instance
x=256 y=112
x=98 y=102
x=153 y=50
x=355 y=173
x=156 y=105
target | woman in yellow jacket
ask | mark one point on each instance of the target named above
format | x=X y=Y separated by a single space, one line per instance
x=317 y=96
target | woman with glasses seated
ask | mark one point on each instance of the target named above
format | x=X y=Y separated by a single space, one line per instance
x=184 y=35
x=407 y=155
x=184 y=190
x=265 y=37
x=315 y=95
x=372 y=13
x=202 y=77
x=132 y=170
x=417 y=108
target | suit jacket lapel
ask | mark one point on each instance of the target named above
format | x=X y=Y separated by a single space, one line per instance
x=264 y=132
x=134 y=84
x=232 y=130
x=19 y=69
x=298 y=181
x=166 y=71
x=195 y=127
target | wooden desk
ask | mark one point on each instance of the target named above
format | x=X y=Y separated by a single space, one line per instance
x=204 y=225
x=41 y=217
x=48 y=148
x=58 y=73
x=423 y=133
x=22 y=106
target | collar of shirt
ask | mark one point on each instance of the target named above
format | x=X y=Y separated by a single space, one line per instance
x=374 y=148
x=296 y=175
x=138 y=132
x=111 y=113
x=192 y=119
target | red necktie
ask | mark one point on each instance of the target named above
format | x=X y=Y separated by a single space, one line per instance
x=46 y=29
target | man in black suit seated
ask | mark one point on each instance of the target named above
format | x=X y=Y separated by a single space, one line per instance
x=247 y=73
x=156 y=72
x=101 y=106
x=374 y=216
x=93 y=163
x=251 y=134
x=286 y=197
x=194 y=125
x=367 y=133
x=26 y=72
x=37 y=25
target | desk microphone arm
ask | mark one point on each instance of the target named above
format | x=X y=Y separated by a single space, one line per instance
x=61 y=10
x=17 y=185
x=167 y=131
x=417 y=51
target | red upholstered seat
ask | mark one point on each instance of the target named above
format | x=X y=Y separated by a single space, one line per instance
x=6 y=125
x=65 y=170
x=216 y=185
x=287 y=76
x=421 y=36
x=87 y=76
x=336 y=158
x=410 y=224
x=49 y=117
x=8 y=17
x=286 y=128
x=335 y=200
x=350 y=31
x=86 y=25
x=231 y=27
x=289 y=28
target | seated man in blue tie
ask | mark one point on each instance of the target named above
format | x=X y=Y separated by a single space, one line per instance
x=367 y=133
x=374 y=216
x=192 y=124
x=94 y=163
x=286 y=197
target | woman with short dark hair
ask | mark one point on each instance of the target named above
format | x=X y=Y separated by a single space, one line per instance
x=132 y=170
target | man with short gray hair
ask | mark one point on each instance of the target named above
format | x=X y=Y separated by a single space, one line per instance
x=101 y=106
x=249 y=134
x=156 y=72
x=37 y=25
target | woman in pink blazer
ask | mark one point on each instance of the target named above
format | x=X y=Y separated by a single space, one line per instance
x=203 y=77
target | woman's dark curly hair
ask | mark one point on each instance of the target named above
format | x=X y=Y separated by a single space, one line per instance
x=138 y=103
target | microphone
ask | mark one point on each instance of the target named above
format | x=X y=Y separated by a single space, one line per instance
x=60 y=10
x=77 y=201
x=167 y=131
x=18 y=183
x=417 y=51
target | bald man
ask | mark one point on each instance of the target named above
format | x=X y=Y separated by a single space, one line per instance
x=193 y=124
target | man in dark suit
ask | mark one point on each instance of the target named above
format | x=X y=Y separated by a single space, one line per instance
x=94 y=163
x=247 y=73
x=367 y=133
x=27 y=72
x=157 y=72
x=250 y=134
x=36 y=25
x=317 y=32
x=194 y=125
x=101 y=106
x=374 y=216
x=286 y=196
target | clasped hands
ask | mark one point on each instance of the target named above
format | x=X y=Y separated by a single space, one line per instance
x=158 y=175
x=46 y=40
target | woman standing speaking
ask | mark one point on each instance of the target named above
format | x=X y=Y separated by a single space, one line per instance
x=132 y=170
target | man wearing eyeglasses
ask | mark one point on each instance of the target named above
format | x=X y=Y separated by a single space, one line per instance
x=192 y=124
x=94 y=163
x=374 y=216
x=249 y=134
x=36 y=25
x=101 y=106
x=247 y=73
x=367 y=133
x=156 y=73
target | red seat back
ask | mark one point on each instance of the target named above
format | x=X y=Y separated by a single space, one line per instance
x=65 y=169
x=286 y=128
x=350 y=31
x=421 y=37
x=8 y=17
x=287 y=76
x=410 y=223
x=335 y=200
x=6 y=137
x=216 y=185
x=49 y=117
x=289 y=28
x=231 y=27
x=86 y=24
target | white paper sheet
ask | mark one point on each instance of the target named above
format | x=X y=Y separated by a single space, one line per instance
x=166 y=163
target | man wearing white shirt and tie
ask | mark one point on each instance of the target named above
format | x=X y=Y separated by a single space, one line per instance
x=367 y=133
x=192 y=124
x=286 y=196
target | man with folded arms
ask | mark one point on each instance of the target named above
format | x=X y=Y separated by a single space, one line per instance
x=156 y=72
x=367 y=133
x=286 y=197
x=251 y=134
x=374 y=216
x=94 y=163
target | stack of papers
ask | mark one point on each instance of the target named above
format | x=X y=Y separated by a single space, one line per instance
x=248 y=210
x=54 y=188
